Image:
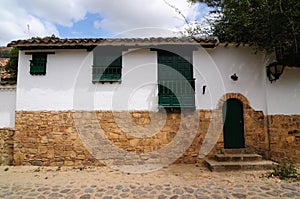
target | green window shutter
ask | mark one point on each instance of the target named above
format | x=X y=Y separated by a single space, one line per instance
x=176 y=85
x=176 y=93
x=38 y=64
x=107 y=68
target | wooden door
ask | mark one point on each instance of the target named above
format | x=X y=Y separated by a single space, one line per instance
x=233 y=128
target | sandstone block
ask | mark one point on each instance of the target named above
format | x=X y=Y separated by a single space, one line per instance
x=68 y=163
x=42 y=149
x=18 y=158
x=80 y=157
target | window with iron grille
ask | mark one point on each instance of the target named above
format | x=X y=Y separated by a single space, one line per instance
x=176 y=85
x=38 y=64
x=108 y=70
x=107 y=66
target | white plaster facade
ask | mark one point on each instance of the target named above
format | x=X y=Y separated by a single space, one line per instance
x=283 y=96
x=7 y=106
x=68 y=85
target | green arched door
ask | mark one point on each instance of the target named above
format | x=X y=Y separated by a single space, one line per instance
x=233 y=128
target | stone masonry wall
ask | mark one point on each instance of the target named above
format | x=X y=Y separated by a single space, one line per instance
x=60 y=138
x=52 y=138
x=284 y=133
x=6 y=146
x=75 y=138
x=49 y=139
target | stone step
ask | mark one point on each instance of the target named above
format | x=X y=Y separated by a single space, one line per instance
x=214 y=165
x=234 y=151
x=237 y=157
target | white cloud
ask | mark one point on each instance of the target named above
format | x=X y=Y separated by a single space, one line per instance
x=15 y=20
x=129 y=17
x=62 y=12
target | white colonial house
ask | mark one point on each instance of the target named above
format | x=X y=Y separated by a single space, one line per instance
x=150 y=100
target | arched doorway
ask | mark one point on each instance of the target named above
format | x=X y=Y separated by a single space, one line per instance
x=233 y=128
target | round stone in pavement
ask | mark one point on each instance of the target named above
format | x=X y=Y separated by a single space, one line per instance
x=158 y=187
x=15 y=197
x=72 y=196
x=132 y=186
x=239 y=195
x=138 y=192
x=265 y=188
x=187 y=196
x=178 y=191
x=107 y=197
x=148 y=188
x=119 y=187
x=89 y=190
x=289 y=195
x=85 y=196
x=215 y=196
x=55 y=195
x=126 y=190
x=74 y=191
x=189 y=190
x=65 y=190
x=285 y=186
x=43 y=189
x=162 y=197
x=124 y=195
x=202 y=197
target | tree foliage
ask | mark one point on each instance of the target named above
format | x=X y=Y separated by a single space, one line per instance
x=12 y=65
x=268 y=24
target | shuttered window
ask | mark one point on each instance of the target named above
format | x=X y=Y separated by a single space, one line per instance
x=176 y=85
x=107 y=69
x=38 y=64
x=107 y=64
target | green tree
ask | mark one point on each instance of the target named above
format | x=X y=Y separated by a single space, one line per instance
x=12 y=65
x=268 y=24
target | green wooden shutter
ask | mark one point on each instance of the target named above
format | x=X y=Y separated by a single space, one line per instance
x=38 y=64
x=107 y=69
x=175 y=81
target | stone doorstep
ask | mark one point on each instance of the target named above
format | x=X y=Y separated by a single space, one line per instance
x=233 y=151
x=237 y=157
x=214 y=165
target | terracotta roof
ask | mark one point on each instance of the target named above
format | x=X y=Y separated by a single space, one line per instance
x=3 y=61
x=3 y=72
x=56 y=42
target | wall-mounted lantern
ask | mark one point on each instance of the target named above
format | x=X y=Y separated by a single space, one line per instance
x=274 y=71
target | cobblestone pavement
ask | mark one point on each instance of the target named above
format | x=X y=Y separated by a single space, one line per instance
x=176 y=181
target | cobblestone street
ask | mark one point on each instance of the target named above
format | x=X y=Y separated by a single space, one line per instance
x=176 y=181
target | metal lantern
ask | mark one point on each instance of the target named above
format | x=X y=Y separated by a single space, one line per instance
x=274 y=71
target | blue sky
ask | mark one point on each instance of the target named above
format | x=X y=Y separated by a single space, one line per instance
x=23 y=19
x=83 y=28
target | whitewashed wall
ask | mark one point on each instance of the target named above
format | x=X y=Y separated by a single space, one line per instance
x=214 y=67
x=7 y=106
x=284 y=95
x=68 y=85
x=53 y=91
